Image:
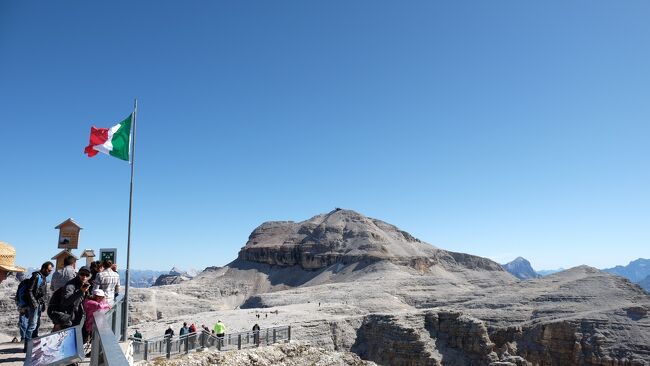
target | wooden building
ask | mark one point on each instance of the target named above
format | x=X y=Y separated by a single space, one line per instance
x=89 y=254
x=68 y=234
x=61 y=256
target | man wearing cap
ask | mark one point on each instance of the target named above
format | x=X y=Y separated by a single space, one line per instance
x=7 y=261
x=66 y=306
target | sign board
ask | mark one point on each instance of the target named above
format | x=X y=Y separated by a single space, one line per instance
x=69 y=237
x=108 y=253
x=58 y=348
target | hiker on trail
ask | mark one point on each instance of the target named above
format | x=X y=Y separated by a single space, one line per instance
x=8 y=261
x=184 y=330
x=66 y=305
x=91 y=305
x=108 y=280
x=137 y=338
x=65 y=274
x=220 y=331
x=192 y=335
x=36 y=296
x=169 y=333
x=256 y=334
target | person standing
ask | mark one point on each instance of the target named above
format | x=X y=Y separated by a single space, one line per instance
x=184 y=330
x=65 y=274
x=220 y=331
x=137 y=341
x=36 y=298
x=256 y=334
x=108 y=280
x=66 y=305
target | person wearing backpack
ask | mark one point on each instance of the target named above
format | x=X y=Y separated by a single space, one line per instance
x=21 y=306
x=35 y=296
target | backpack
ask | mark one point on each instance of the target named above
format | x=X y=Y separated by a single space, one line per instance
x=21 y=293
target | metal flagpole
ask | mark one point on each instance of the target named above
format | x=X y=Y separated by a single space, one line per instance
x=125 y=310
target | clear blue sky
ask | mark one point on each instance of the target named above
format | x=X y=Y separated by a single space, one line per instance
x=498 y=128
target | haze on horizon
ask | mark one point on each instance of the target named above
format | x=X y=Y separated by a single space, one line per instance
x=496 y=129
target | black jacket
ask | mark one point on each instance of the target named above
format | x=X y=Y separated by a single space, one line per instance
x=37 y=294
x=69 y=299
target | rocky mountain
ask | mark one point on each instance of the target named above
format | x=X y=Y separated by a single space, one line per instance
x=174 y=276
x=635 y=271
x=140 y=277
x=521 y=269
x=346 y=282
x=645 y=284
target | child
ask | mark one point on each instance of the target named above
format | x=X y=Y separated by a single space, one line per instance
x=91 y=305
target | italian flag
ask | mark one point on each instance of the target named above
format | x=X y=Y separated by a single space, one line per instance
x=112 y=141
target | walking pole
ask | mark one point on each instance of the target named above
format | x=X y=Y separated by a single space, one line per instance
x=125 y=312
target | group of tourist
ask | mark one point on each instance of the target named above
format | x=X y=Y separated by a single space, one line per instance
x=218 y=332
x=75 y=296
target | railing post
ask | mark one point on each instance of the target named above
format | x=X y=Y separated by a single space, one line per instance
x=289 y=333
x=239 y=341
x=273 y=335
x=146 y=350
x=267 y=337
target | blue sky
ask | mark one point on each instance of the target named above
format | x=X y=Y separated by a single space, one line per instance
x=498 y=128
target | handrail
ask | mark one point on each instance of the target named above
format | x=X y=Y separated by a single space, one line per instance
x=165 y=346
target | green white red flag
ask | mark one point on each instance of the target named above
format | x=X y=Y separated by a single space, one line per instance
x=113 y=141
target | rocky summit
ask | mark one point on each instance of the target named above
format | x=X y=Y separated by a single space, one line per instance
x=521 y=268
x=344 y=237
x=350 y=283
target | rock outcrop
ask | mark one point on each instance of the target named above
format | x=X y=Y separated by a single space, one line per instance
x=521 y=268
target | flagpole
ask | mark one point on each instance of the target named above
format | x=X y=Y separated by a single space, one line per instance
x=125 y=310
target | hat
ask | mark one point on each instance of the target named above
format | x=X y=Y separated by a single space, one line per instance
x=8 y=258
x=84 y=269
x=99 y=292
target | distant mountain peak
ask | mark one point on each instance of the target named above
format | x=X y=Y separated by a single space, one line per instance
x=520 y=267
x=635 y=271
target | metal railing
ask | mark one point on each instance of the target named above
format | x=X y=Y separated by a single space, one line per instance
x=168 y=346
x=106 y=335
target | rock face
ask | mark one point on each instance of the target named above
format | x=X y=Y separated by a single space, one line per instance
x=293 y=354
x=345 y=236
x=645 y=283
x=174 y=277
x=521 y=269
x=635 y=271
x=169 y=279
